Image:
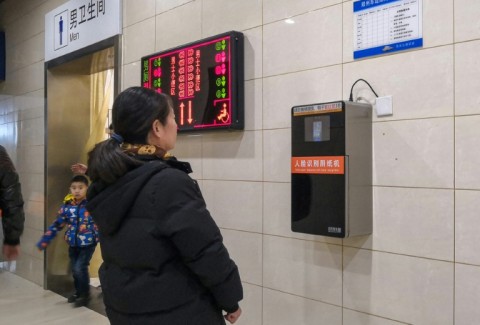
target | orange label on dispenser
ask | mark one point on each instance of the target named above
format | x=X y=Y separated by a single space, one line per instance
x=318 y=165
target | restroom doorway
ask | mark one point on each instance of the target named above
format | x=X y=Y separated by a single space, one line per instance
x=79 y=92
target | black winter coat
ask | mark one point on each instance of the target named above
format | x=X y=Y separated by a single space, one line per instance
x=11 y=201
x=162 y=252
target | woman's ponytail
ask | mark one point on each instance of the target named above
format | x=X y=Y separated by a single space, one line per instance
x=107 y=162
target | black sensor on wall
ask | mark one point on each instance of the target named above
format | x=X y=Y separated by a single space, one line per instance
x=204 y=79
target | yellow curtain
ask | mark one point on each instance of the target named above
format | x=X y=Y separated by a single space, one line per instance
x=101 y=98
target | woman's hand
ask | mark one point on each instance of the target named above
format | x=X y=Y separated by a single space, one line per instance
x=233 y=317
x=79 y=168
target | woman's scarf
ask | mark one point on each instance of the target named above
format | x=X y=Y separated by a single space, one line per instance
x=144 y=150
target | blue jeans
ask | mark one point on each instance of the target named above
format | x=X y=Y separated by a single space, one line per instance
x=80 y=260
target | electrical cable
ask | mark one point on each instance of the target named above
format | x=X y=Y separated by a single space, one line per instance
x=362 y=98
x=351 y=90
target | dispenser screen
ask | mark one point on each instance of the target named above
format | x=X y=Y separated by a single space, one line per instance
x=317 y=128
x=204 y=80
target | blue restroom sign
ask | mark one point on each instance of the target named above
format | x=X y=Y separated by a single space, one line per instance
x=386 y=26
x=80 y=23
x=61 y=34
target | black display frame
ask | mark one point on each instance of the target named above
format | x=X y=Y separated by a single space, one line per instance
x=236 y=83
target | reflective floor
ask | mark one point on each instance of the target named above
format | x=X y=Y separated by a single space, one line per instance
x=25 y=303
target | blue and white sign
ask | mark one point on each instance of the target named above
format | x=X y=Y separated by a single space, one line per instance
x=80 y=23
x=61 y=39
x=386 y=26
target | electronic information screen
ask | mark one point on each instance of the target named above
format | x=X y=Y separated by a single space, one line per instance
x=317 y=128
x=205 y=80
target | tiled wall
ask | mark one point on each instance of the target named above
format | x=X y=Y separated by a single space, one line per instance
x=22 y=117
x=421 y=265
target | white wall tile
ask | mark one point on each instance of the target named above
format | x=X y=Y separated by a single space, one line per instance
x=467 y=78
x=235 y=205
x=138 y=41
x=8 y=140
x=277 y=209
x=25 y=53
x=411 y=221
x=284 y=51
x=304 y=268
x=415 y=153
x=34 y=216
x=31 y=159
x=31 y=105
x=467 y=294
x=11 y=11
x=233 y=156
x=285 y=309
x=8 y=104
x=251 y=305
x=21 y=85
x=131 y=75
x=30 y=261
x=434 y=11
x=467 y=223
x=402 y=288
x=30 y=268
x=253 y=44
x=467 y=25
x=351 y=317
x=50 y=4
x=29 y=238
x=467 y=158
x=11 y=83
x=245 y=249
x=253 y=108
x=32 y=132
x=32 y=186
x=277 y=154
x=281 y=93
x=162 y=5
x=135 y=11
x=219 y=16
x=179 y=26
x=421 y=82
x=26 y=26
x=281 y=9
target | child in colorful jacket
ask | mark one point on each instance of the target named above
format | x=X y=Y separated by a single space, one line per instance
x=81 y=235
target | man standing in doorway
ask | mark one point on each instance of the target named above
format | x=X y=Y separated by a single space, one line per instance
x=11 y=204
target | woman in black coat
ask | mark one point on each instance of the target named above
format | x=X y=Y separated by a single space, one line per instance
x=163 y=257
x=11 y=204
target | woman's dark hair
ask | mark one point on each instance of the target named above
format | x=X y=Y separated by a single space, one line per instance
x=133 y=113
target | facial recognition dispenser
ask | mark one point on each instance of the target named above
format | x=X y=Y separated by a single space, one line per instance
x=332 y=169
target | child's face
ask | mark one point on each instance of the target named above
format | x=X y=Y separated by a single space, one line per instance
x=78 y=190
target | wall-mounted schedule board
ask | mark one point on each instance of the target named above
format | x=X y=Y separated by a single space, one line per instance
x=385 y=26
x=204 y=79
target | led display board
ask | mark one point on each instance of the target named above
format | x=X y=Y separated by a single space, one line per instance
x=204 y=79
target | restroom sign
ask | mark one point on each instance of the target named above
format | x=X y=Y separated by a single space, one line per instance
x=80 y=23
